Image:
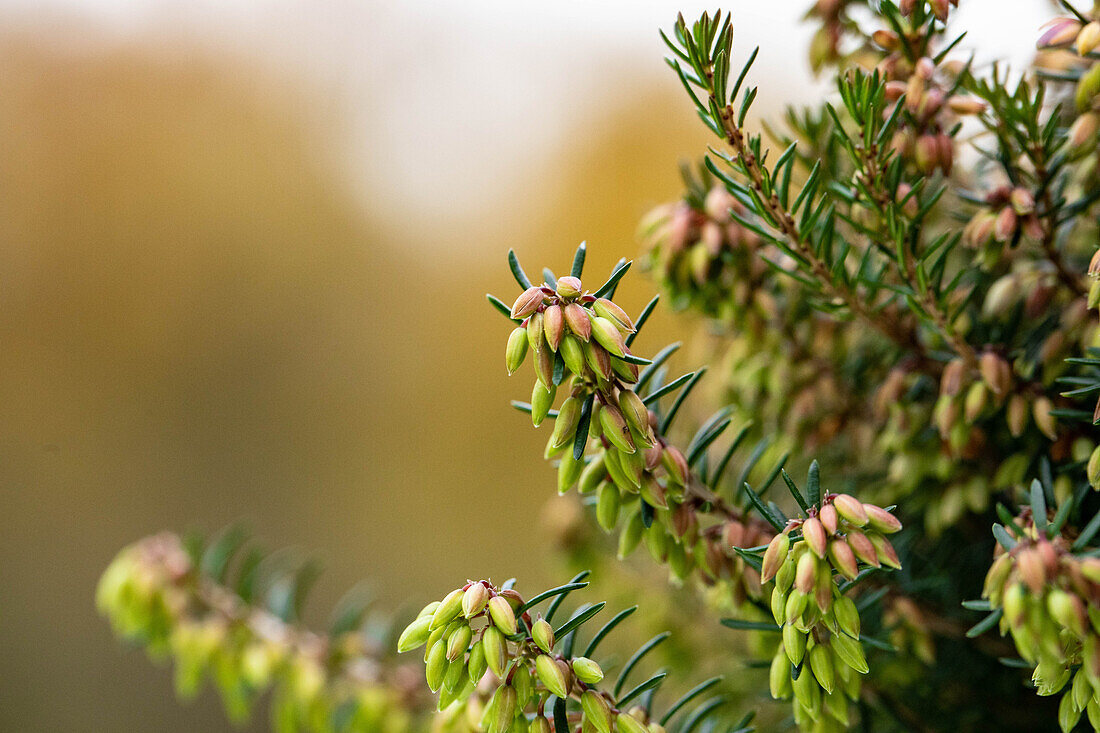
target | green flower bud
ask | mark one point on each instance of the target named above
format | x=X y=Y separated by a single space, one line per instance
x=542 y=399
x=881 y=520
x=572 y=353
x=543 y=635
x=565 y=425
x=455 y=677
x=504 y=618
x=779 y=606
x=459 y=642
x=784 y=577
x=794 y=643
x=436 y=667
x=474 y=599
x=850 y=652
x=1093 y=470
x=863 y=548
x=627 y=372
x=885 y=551
x=551 y=675
x=1068 y=714
x=576 y=318
x=598 y=360
x=774 y=556
x=821 y=662
x=415 y=634
x=796 y=604
x=516 y=351
x=631 y=536
x=779 y=676
x=477 y=664
x=596 y=710
x=505 y=707
x=608 y=336
x=587 y=671
x=636 y=413
x=429 y=609
x=608 y=501
x=626 y=481
x=848 y=507
x=626 y=723
x=808 y=693
x=540 y=725
x=448 y=610
x=608 y=310
x=615 y=429
x=527 y=303
x=592 y=475
x=569 y=470
x=496 y=650
x=544 y=366
x=847 y=616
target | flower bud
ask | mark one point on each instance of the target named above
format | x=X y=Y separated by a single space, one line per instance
x=496 y=650
x=459 y=642
x=1016 y=414
x=604 y=308
x=1083 y=130
x=553 y=326
x=448 y=610
x=796 y=604
x=847 y=616
x=551 y=676
x=828 y=518
x=627 y=723
x=1089 y=38
x=599 y=360
x=794 y=643
x=862 y=547
x=542 y=399
x=572 y=353
x=544 y=366
x=1067 y=609
x=814 y=534
x=415 y=634
x=821 y=663
x=608 y=336
x=474 y=599
x=615 y=429
x=477 y=665
x=565 y=425
x=1044 y=420
x=881 y=520
x=517 y=349
x=885 y=551
x=504 y=618
x=597 y=712
x=569 y=287
x=676 y=465
x=1029 y=564
x=543 y=634
x=774 y=556
x=504 y=705
x=849 y=651
x=635 y=412
x=843 y=558
x=806 y=573
x=608 y=503
x=436 y=666
x=576 y=318
x=527 y=303
x=587 y=671
x=848 y=507
x=540 y=725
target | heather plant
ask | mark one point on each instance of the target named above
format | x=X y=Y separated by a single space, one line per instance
x=899 y=283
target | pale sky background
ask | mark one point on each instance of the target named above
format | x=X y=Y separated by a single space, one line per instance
x=493 y=84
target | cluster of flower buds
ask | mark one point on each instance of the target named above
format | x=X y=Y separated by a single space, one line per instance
x=1049 y=596
x=154 y=595
x=1082 y=38
x=496 y=668
x=1008 y=213
x=701 y=255
x=820 y=659
x=581 y=331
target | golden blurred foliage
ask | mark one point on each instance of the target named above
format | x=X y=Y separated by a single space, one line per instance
x=201 y=324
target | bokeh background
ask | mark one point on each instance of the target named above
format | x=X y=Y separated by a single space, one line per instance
x=244 y=248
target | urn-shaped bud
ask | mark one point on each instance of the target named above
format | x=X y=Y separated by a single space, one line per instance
x=516 y=350
x=569 y=287
x=843 y=558
x=806 y=573
x=474 y=599
x=774 y=556
x=527 y=303
x=615 y=429
x=459 y=642
x=572 y=353
x=553 y=325
x=587 y=671
x=542 y=399
x=794 y=643
x=608 y=336
x=828 y=518
x=849 y=508
x=543 y=635
x=814 y=534
x=881 y=520
x=576 y=318
x=551 y=676
x=504 y=618
x=569 y=416
x=604 y=308
x=496 y=650
x=436 y=666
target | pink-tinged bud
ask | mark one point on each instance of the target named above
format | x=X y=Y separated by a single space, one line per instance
x=605 y=308
x=1030 y=568
x=527 y=303
x=885 y=39
x=544 y=367
x=576 y=317
x=806 y=573
x=774 y=556
x=823 y=587
x=534 y=332
x=881 y=520
x=979 y=229
x=1022 y=201
x=718 y=204
x=627 y=372
x=608 y=336
x=1089 y=38
x=1016 y=414
x=828 y=518
x=615 y=429
x=907 y=7
x=945 y=149
x=924 y=68
x=843 y=559
x=996 y=372
x=1060 y=32
x=894 y=90
x=939 y=9
x=1083 y=130
x=966 y=105
x=598 y=359
x=684 y=521
x=1044 y=420
x=885 y=551
x=848 y=507
x=569 y=287
x=1005 y=225
x=814 y=534
x=734 y=535
x=952 y=377
x=553 y=325
x=474 y=600
x=676 y=465
x=863 y=547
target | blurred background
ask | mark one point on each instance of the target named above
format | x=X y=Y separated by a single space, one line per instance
x=244 y=249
